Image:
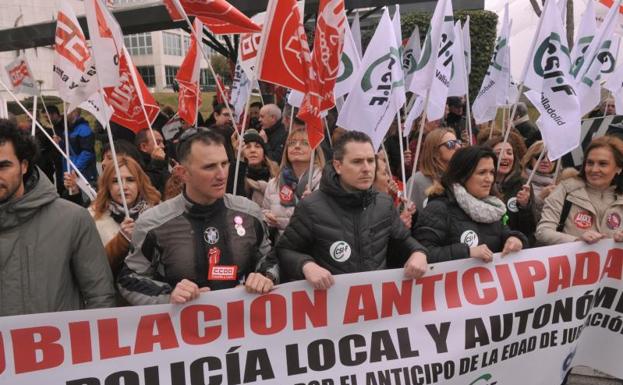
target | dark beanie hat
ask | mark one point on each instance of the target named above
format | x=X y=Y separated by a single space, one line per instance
x=251 y=135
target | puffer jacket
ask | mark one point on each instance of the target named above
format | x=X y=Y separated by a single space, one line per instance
x=344 y=232
x=51 y=256
x=583 y=214
x=82 y=149
x=272 y=201
x=448 y=232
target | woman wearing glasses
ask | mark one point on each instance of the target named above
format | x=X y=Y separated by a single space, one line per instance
x=292 y=183
x=511 y=185
x=437 y=150
x=463 y=218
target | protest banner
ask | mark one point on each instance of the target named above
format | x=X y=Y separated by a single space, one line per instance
x=464 y=322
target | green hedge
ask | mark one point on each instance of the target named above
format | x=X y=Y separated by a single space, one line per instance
x=482 y=33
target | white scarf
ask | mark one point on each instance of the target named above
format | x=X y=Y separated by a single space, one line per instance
x=486 y=210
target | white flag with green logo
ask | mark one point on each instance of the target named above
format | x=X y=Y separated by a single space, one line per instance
x=494 y=89
x=400 y=98
x=411 y=54
x=349 y=65
x=371 y=105
x=458 y=82
x=599 y=60
x=586 y=34
x=551 y=86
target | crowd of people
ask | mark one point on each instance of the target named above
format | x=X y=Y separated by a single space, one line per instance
x=177 y=214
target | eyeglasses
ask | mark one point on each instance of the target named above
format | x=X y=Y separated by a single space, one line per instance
x=452 y=144
x=300 y=142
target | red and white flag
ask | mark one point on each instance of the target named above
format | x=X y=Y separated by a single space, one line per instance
x=218 y=15
x=189 y=97
x=106 y=42
x=284 y=57
x=74 y=70
x=325 y=64
x=21 y=77
x=126 y=101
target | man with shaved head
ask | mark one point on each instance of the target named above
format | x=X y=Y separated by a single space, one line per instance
x=273 y=131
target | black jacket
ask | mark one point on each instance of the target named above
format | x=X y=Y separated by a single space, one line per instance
x=157 y=170
x=442 y=224
x=344 y=232
x=277 y=136
x=529 y=131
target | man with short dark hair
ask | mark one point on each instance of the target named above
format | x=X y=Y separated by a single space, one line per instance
x=203 y=239
x=273 y=131
x=345 y=226
x=51 y=256
x=153 y=157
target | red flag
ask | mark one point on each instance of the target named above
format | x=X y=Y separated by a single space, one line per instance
x=218 y=15
x=221 y=97
x=126 y=102
x=189 y=98
x=284 y=57
x=325 y=61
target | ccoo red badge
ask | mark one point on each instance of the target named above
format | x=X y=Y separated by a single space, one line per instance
x=614 y=221
x=285 y=193
x=583 y=220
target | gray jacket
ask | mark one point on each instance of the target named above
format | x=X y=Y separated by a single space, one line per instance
x=51 y=256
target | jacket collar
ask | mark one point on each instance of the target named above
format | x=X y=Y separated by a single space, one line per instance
x=330 y=185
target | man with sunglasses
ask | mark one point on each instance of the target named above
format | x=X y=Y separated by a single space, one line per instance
x=201 y=240
x=345 y=226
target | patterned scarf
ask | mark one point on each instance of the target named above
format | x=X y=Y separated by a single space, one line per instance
x=291 y=188
x=487 y=210
x=118 y=214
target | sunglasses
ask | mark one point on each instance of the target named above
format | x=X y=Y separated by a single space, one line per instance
x=452 y=144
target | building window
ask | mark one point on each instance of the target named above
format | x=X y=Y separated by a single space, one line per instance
x=148 y=74
x=172 y=44
x=169 y=74
x=139 y=44
x=205 y=79
x=186 y=40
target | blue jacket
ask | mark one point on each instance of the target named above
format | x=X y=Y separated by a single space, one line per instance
x=82 y=149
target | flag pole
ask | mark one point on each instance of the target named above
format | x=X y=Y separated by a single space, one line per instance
x=66 y=134
x=291 y=118
x=326 y=125
x=66 y=156
x=241 y=143
x=182 y=11
x=45 y=108
x=535 y=167
x=34 y=113
x=402 y=152
x=419 y=144
x=311 y=168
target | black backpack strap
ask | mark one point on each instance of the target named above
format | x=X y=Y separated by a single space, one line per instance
x=566 y=207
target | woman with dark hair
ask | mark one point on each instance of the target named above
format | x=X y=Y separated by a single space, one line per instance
x=511 y=186
x=114 y=228
x=590 y=206
x=260 y=169
x=463 y=217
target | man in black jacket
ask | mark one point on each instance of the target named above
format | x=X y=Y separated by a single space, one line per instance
x=345 y=226
x=155 y=163
x=273 y=131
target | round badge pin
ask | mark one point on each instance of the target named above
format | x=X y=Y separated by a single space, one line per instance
x=238 y=220
x=340 y=251
x=240 y=231
x=614 y=221
x=512 y=205
x=470 y=238
x=210 y=235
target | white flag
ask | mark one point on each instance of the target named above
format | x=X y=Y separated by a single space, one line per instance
x=494 y=89
x=399 y=97
x=615 y=86
x=467 y=46
x=349 y=65
x=101 y=112
x=356 y=30
x=74 y=74
x=4 y=110
x=295 y=98
x=240 y=89
x=458 y=82
x=21 y=77
x=411 y=54
x=106 y=42
x=551 y=86
x=370 y=106
x=586 y=34
x=599 y=59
